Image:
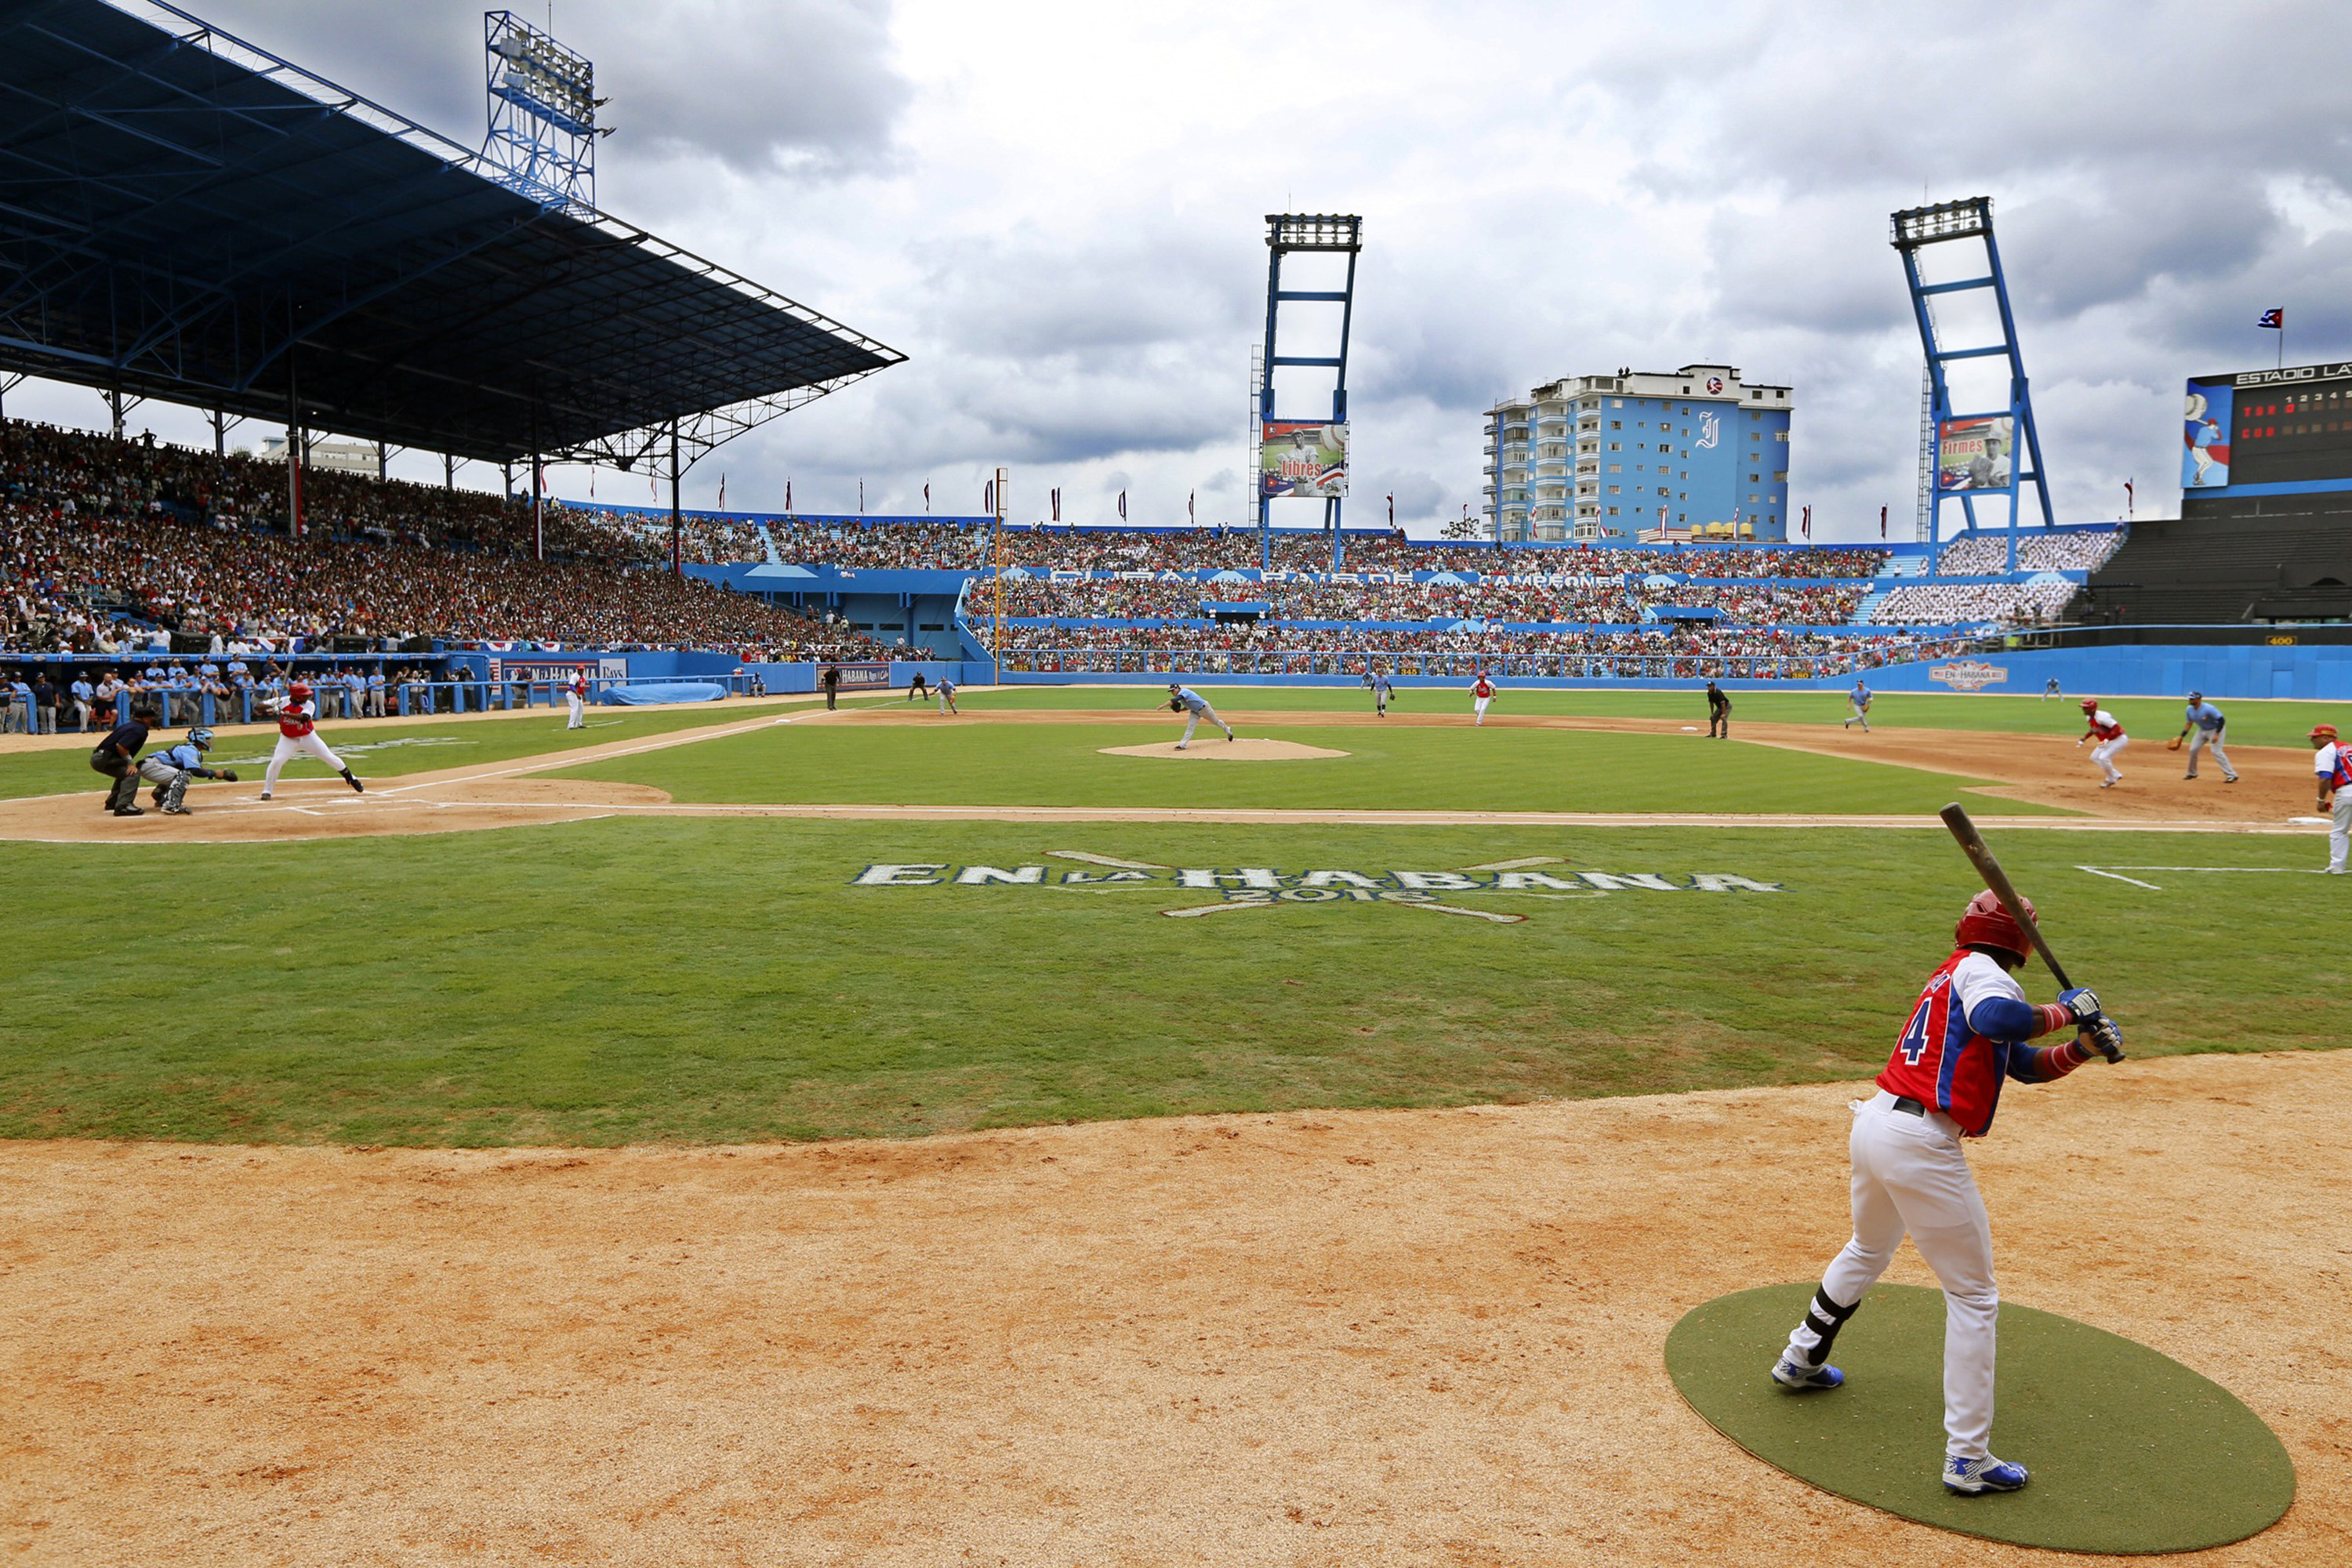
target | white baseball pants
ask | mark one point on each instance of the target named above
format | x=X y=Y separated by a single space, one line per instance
x=2104 y=751
x=1479 y=703
x=292 y=746
x=1911 y=1174
x=579 y=711
x=2339 y=832
x=2208 y=740
x=1193 y=717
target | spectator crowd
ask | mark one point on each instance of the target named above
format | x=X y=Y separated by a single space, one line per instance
x=101 y=540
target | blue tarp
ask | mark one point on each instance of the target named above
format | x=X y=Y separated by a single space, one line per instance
x=663 y=691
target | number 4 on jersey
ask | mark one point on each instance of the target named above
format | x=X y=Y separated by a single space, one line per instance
x=1913 y=1044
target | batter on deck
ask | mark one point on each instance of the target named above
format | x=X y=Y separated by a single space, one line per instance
x=1965 y=1036
x=298 y=737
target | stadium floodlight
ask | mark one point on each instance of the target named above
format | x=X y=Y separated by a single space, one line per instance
x=1915 y=227
x=1314 y=231
x=542 y=107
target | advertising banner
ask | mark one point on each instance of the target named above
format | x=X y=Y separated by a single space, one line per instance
x=558 y=668
x=1975 y=454
x=1302 y=459
x=2205 y=436
x=864 y=675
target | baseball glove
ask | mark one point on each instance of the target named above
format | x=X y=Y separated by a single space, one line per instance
x=1174 y=705
x=228 y=775
x=2173 y=745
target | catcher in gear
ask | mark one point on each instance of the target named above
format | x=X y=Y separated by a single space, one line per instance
x=170 y=769
x=1965 y=1036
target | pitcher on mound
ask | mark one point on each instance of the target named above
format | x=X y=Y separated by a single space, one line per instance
x=297 y=736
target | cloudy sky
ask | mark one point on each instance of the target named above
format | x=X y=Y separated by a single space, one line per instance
x=1056 y=211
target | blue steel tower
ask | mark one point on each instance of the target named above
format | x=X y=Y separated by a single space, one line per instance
x=1287 y=232
x=1987 y=450
x=544 y=103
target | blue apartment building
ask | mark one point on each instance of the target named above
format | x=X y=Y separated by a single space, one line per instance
x=1640 y=458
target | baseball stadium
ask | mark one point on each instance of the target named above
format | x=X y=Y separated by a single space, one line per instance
x=542 y=1028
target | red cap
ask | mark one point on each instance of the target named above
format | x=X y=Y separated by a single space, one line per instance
x=2090 y=705
x=2322 y=732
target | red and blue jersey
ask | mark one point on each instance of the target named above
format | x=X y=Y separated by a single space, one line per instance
x=2334 y=765
x=1966 y=1037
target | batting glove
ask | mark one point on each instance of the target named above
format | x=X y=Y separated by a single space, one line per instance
x=2082 y=1003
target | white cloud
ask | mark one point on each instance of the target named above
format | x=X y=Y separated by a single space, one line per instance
x=1055 y=210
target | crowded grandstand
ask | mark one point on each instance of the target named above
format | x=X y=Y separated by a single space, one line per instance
x=107 y=545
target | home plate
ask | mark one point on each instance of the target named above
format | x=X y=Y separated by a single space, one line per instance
x=1217 y=749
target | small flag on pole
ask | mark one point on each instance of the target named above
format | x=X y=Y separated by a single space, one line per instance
x=1122 y=506
x=1809 y=522
x=1057 y=503
x=1190 y=496
x=787 y=495
x=2127 y=501
x=2274 y=318
x=1392 y=508
x=1882 y=522
x=723 y=493
x=987 y=499
x=861 y=498
x=927 y=495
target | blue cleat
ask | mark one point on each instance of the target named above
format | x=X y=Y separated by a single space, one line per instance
x=1970 y=1477
x=1803 y=1376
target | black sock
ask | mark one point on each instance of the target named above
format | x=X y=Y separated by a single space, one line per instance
x=1827 y=1317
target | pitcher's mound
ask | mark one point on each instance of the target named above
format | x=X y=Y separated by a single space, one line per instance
x=1217 y=749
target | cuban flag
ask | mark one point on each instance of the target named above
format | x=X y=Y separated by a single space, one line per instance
x=2274 y=318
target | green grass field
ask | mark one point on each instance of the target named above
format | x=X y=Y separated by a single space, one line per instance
x=672 y=979
x=1404 y=768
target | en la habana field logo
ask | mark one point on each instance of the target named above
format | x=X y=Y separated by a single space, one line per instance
x=1264 y=887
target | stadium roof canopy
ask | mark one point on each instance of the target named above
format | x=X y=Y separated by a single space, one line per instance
x=186 y=217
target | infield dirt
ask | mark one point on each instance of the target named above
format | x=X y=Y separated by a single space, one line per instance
x=1321 y=1338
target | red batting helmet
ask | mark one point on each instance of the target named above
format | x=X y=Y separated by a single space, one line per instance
x=2322 y=732
x=300 y=691
x=1986 y=921
x=2090 y=705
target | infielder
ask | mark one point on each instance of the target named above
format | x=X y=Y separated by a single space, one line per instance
x=947 y=689
x=2332 y=761
x=1194 y=706
x=576 y=696
x=298 y=737
x=2049 y=689
x=170 y=771
x=2204 y=727
x=1480 y=695
x=2109 y=734
x=1966 y=1034
x=1382 y=693
x=1859 y=700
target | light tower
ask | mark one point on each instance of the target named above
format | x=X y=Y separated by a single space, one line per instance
x=542 y=103
x=1305 y=458
x=1985 y=452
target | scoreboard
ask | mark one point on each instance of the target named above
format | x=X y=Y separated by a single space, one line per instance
x=2288 y=427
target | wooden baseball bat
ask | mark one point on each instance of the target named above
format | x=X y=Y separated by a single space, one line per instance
x=2106 y=1035
x=1973 y=846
